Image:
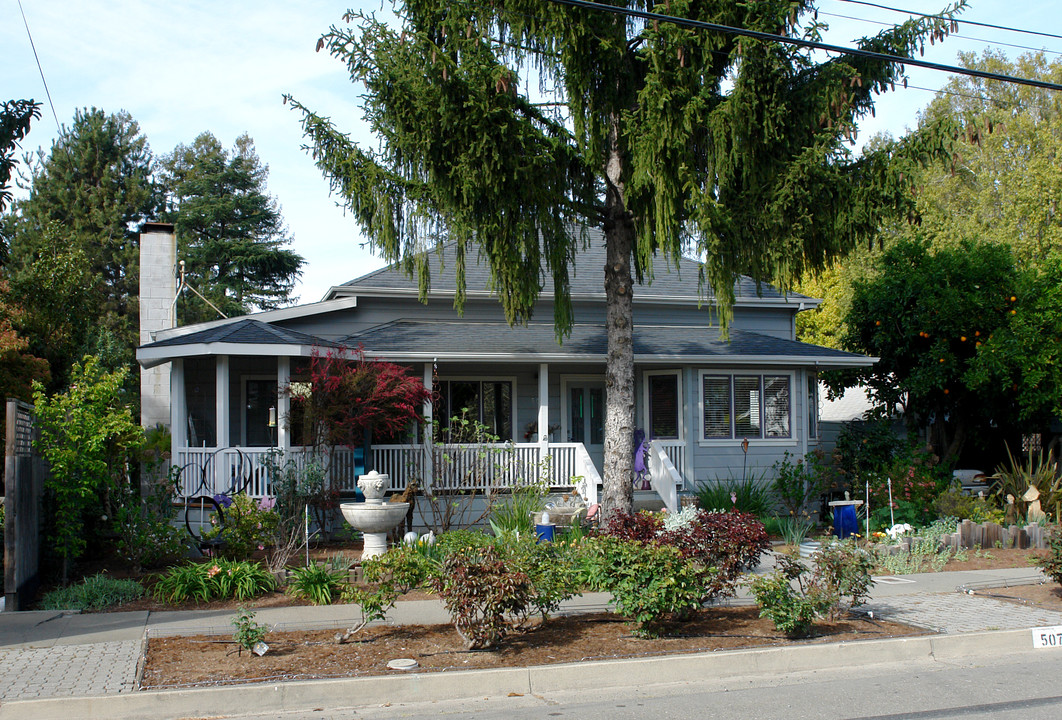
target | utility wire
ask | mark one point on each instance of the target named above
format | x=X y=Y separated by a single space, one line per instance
x=952 y=35
x=40 y=69
x=958 y=20
x=801 y=42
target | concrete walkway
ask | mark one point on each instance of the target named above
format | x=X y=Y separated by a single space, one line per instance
x=63 y=655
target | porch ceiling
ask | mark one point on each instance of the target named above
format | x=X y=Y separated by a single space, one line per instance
x=471 y=340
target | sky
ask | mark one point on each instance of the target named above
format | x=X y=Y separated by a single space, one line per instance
x=188 y=66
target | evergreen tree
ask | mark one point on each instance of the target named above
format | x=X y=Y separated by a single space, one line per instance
x=664 y=135
x=96 y=185
x=230 y=232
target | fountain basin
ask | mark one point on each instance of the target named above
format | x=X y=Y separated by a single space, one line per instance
x=374 y=518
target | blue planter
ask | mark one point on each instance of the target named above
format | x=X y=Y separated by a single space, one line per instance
x=845 y=522
x=545 y=533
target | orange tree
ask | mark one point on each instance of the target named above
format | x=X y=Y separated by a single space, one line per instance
x=928 y=316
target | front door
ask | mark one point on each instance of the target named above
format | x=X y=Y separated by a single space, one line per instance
x=259 y=418
x=586 y=417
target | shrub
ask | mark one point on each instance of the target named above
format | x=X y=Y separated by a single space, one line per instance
x=248 y=632
x=953 y=502
x=730 y=543
x=513 y=515
x=249 y=525
x=649 y=582
x=798 y=483
x=319 y=583
x=917 y=480
x=1052 y=564
x=387 y=577
x=840 y=581
x=147 y=536
x=551 y=568
x=93 y=593
x=479 y=591
x=791 y=610
x=221 y=579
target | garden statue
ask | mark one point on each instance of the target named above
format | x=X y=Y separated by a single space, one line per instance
x=1011 y=512
x=1035 y=514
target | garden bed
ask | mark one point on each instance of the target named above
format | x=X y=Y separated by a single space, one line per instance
x=212 y=660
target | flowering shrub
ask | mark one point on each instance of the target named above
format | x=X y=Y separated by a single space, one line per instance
x=248 y=525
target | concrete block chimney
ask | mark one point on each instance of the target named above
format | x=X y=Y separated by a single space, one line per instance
x=158 y=286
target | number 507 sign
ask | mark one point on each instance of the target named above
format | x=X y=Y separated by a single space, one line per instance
x=1047 y=637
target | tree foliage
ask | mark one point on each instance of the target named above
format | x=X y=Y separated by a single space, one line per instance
x=348 y=394
x=665 y=136
x=96 y=184
x=231 y=233
x=86 y=435
x=15 y=119
x=927 y=315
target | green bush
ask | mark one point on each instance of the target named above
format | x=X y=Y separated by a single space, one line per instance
x=92 y=593
x=217 y=580
x=319 y=583
x=249 y=525
x=649 y=583
x=552 y=569
x=953 y=502
x=791 y=610
x=147 y=535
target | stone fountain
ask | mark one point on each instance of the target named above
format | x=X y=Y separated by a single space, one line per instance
x=374 y=517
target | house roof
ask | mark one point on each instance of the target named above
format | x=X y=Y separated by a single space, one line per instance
x=586 y=276
x=468 y=340
x=242 y=336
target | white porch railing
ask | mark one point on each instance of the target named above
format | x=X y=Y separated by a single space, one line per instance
x=217 y=471
x=663 y=475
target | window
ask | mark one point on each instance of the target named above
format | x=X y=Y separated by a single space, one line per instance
x=664 y=406
x=746 y=406
x=813 y=405
x=489 y=402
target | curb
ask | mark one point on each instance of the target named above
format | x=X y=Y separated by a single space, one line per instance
x=306 y=695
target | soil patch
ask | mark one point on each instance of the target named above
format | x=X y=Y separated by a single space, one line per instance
x=1047 y=596
x=213 y=660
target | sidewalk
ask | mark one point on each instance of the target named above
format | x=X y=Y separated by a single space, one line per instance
x=64 y=655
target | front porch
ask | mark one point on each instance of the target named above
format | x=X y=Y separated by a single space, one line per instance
x=231 y=415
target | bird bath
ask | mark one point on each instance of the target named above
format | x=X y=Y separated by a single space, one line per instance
x=374 y=517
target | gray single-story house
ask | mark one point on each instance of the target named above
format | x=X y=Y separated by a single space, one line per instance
x=698 y=396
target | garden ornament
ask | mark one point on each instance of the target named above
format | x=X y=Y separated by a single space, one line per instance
x=1012 y=512
x=1035 y=513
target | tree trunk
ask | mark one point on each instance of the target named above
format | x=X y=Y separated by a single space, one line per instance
x=618 y=495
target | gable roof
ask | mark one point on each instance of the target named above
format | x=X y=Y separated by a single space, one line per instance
x=242 y=336
x=675 y=281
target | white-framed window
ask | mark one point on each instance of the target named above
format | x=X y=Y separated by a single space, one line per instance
x=746 y=405
x=489 y=401
x=813 y=405
x=663 y=405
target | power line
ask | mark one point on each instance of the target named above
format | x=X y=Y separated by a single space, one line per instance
x=810 y=44
x=958 y=20
x=47 y=92
x=952 y=35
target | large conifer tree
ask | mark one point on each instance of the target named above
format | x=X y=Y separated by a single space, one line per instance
x=666 y=136
x=230 y=232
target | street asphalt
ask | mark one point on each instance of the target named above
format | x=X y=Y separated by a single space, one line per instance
x=67 y=665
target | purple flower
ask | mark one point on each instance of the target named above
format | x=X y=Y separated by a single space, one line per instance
x=266 y=504
x=223 y=500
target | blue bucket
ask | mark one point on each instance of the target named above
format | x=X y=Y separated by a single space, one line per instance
x=545 y=533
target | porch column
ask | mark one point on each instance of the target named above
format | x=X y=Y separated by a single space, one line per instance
x=543 y=407
x=428 y=465
x=221 y=418
x=178 y=411
x=283 y=403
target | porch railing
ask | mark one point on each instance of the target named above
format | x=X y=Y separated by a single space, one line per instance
x=226 y=471
x=664 y=476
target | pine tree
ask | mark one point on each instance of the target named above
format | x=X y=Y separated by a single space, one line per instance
x=664 y=135
x=231 y=234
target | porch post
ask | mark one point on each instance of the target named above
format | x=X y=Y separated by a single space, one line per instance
x=221 y=420
x=543 y=406
x=178 y=411
x=283 y=403
x=428 y=465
